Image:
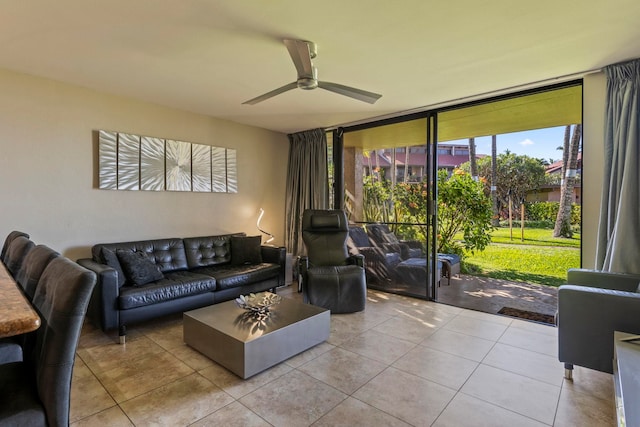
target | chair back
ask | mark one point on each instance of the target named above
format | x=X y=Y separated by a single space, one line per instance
x=359 y=236
x=381 y=234
x=9 y=239
x=324 y=233
x=16 y=253
x=61 y=300
x=32 y=268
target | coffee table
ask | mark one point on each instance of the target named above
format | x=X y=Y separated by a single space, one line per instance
x=229 y=336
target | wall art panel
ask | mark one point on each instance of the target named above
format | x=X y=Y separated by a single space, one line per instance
x=152 y=164
x=178 y=164
x=201 y=167
x=219 y=169
x=132 y=162
x=128 y=162
x=108 y=163
x=232 y=174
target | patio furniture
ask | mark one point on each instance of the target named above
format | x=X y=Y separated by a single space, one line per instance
x=379 y=264
x=413 y=271
x=450 y=265
x=385 y=238
x=591 y=307
x=331 y=278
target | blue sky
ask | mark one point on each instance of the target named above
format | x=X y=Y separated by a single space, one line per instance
x=540 y=143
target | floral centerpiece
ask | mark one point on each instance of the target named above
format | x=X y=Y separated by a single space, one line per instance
x=258 y=304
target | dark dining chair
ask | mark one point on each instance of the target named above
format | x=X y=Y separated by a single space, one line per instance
x=11 y=348
x=331 y=278
x=9 y=239
x=32 y=268
x=16 y=253
x=36 y=392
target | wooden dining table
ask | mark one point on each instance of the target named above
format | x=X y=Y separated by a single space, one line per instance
x=17 y=316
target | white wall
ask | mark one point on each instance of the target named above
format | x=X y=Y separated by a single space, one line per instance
x=48 y=169
x=594 y=92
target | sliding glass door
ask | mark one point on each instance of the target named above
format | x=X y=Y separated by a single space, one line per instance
x=389 y=194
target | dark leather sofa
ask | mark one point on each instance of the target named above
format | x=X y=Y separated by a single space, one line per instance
x=195 y=272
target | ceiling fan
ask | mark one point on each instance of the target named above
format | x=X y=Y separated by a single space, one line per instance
x=302 y=52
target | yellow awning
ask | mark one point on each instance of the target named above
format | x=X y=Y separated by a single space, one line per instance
x=558 y=107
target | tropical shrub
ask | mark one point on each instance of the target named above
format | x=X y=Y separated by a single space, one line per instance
x=463 y=207
x=548 y=211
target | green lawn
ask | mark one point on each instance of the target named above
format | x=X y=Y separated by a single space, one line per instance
x=539 y=259
x=534 y=236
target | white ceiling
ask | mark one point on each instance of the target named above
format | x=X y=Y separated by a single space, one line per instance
x=209 y=56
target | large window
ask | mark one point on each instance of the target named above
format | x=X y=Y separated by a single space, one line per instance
x=390 y=173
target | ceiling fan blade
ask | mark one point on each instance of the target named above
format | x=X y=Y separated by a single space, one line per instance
x=272 y=93
x=359 y=94
x=301 y=56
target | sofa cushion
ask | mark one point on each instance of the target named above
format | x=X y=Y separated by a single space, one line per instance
x=168 y=254
x=209 y=250
x=110 y=258
x=138 y=268
x=174 y=285
x=246 y=250
x=231 y=276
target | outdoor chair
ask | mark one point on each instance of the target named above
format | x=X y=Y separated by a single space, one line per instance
x=379 y=264
x=331 y=278
x=591 y=307
x=385 y=238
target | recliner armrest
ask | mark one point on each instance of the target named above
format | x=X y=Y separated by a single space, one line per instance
x=356 y=259
x=603 y=279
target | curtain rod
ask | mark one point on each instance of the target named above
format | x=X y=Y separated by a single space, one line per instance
x=464 y=99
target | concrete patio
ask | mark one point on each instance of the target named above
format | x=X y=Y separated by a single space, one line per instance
x=490 y=295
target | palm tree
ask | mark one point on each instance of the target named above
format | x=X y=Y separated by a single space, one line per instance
x=406 y=164
x=494 y=180
x=472 y=159
x=569 y=171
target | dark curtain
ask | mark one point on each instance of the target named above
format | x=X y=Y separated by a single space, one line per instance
x=307 y=183
x=618 y=243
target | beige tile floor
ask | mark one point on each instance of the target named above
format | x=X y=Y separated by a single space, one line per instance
x=401 y=362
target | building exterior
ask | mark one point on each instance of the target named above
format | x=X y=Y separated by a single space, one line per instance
x=381 y=161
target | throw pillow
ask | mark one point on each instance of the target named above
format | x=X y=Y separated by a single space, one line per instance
x=138 y=268
x=246 y=250
x=111 y=259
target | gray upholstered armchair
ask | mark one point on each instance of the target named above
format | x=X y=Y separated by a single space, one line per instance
x=331 y=278
x=590 y=307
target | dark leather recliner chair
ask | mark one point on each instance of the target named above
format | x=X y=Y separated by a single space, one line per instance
x=331 y=278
